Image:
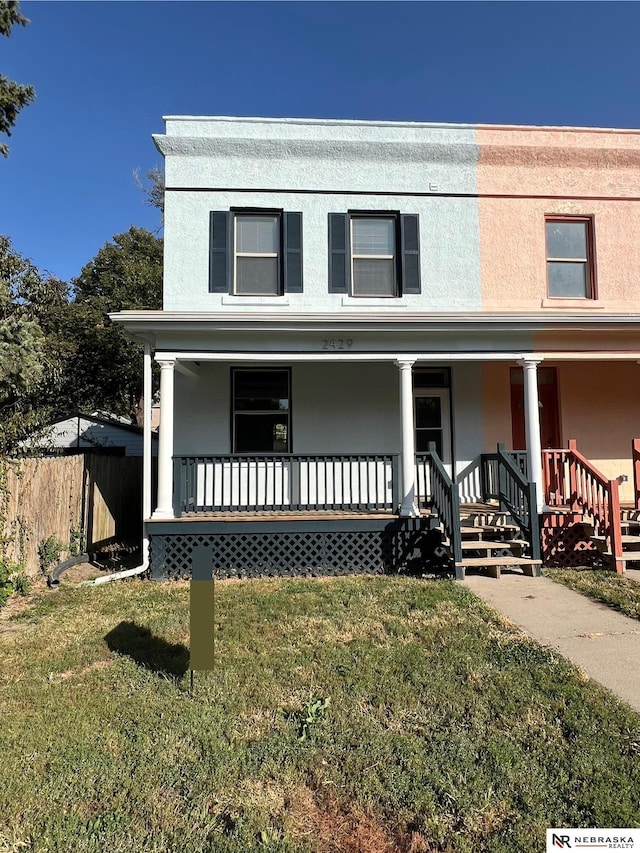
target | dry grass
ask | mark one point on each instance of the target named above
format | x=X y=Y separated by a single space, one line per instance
x=447 y=730
x=327 y=826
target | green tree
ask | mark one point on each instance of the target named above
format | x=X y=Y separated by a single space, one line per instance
x=105 y=372
x=25 y=360
x=59 y=351
x=13 y=96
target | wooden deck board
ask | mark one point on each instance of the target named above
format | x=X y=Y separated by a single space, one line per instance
x=281 y=515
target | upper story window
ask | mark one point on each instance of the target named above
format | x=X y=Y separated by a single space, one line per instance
x=255 y=252
x=570 y=267
x=257 y=255
x=374 y=254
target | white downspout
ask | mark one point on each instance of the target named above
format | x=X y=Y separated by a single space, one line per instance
x=146 y=479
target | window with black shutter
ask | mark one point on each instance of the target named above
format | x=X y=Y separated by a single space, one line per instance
x=255 y=252
x=374 y=253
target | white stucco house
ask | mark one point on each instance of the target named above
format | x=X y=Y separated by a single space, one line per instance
x=344 y=341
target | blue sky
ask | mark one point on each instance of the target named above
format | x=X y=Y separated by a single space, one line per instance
x=106 y=72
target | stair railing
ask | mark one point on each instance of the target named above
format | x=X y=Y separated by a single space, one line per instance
x=517 y=496
x=489 y=472
x=635 y=458
x=445 y=503
x=571 y=481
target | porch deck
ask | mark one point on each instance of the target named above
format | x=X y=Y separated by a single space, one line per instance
x=292 y=515
x=360 y=514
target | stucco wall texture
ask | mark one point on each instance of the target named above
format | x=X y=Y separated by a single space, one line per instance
x=482 y=231
x=321 y=167
x=600 y=408
x=537 y=171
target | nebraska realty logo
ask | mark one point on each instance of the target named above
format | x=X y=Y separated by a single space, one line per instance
x=593 y=839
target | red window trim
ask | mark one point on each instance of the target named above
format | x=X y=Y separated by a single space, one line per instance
x=591 y=254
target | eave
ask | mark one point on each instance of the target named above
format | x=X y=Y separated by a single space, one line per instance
x=145 y=324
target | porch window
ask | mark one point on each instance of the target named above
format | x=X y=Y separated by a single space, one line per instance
x=260 y=411
x=570 y=257
x=432 y=411
x=429 y=423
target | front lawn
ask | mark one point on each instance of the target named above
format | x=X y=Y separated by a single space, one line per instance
x=612 y=589
x=444 y=729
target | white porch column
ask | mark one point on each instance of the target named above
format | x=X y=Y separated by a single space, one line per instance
x=532 y=426
x=165 y=443
x=408 y=456
x=146 y=450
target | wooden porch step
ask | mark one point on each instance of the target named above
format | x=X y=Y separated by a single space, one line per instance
x=630 y=515
x=486 y=519
x=489 y=545
x=625 y=557
x=469 y=562
x=495 y=564
x=627 y=539
x=491 y=529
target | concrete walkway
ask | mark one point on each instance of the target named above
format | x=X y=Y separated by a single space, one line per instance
x=633 y=574
x=603 y=643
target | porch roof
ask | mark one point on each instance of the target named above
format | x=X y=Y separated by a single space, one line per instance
x=392 y=319
x=383 y=336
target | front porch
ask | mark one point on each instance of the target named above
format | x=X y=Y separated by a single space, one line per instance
x=297 y=515
x=274 y=515
x=312 y=417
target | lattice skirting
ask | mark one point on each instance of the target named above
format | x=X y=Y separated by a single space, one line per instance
x=316 y=553
x=565 y=543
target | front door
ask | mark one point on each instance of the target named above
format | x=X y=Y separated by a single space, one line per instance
x=432 y=416
x=548 y=401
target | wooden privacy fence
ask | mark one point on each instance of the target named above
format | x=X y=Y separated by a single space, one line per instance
x=85 y=498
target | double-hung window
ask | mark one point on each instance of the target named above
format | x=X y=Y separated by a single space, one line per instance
x=570 y=267
x=373 y=256
x=255 y=252
x=260 y=401
x=374 y=253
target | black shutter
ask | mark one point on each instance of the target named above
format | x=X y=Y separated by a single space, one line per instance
x=292 y=225
x=339 y=253
x=410 y=249
x=220 y=251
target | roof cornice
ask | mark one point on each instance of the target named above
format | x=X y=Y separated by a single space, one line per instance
x=140 y=321
x=432 y=151
x=338 y=122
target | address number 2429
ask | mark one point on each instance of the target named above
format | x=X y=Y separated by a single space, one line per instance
x=337 y=343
